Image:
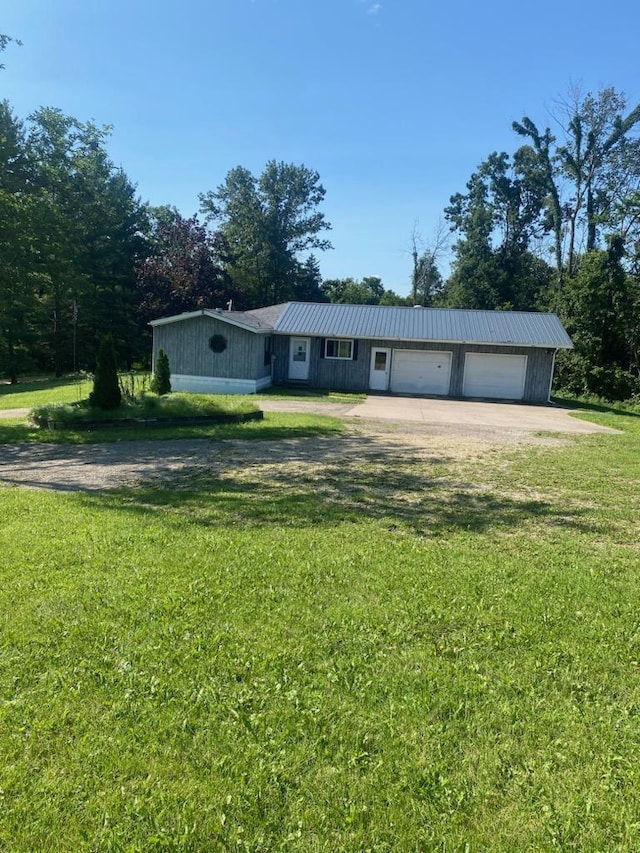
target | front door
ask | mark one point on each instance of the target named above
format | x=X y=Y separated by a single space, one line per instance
x=379 y=372
x=299 y=358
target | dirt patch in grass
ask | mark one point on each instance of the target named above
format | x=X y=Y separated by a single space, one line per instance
x=390 y=451
x=9 y=414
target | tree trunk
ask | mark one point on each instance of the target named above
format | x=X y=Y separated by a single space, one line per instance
x=57 y=346
x=13 y=372
x=591 y=224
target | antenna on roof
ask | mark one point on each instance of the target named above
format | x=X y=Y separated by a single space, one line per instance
x=229 y=304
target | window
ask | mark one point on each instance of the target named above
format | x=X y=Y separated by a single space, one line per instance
x=217 y=343
x=380 y=360
x=335 y=348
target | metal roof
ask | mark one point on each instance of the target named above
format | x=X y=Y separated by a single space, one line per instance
x=444 y=325
x=391 y=323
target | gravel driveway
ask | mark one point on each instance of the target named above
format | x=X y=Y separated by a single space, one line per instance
x=380 y=437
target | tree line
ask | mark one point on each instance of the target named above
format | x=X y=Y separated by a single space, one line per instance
x=555 y=226
x=552 y=226
x=82 y=256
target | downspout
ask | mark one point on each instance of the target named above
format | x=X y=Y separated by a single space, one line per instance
x=553 y=366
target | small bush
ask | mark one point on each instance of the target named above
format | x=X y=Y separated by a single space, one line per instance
x=161 y=382
x=612 y=383
x=106 y=390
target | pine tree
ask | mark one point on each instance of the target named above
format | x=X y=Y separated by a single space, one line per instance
x=106 y=390
x=161 y=382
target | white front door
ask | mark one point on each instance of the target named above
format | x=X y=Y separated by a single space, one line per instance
x=299 y=358
x=380 y=367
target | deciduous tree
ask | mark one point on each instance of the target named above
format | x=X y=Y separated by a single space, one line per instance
x=269 y=223
x=5 y=41
x=497 y=219
x=599 y=304
x=184 y=269
x=426 y=279
x=589 y=171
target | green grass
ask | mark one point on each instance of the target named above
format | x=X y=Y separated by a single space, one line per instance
x=25 y=395
x=274 y=426
x=597 y=404
x=63 y=399
x=53 y=391
x=439 y=655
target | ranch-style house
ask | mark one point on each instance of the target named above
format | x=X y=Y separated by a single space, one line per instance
x=495 y=355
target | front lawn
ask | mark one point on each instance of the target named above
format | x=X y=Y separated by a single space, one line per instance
x=64 y=401
x=443 y=654
x=73 y=389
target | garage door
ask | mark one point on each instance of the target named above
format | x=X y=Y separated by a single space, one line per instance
x=420 y=372
x=495 y=376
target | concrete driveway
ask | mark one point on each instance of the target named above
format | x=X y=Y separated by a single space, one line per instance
x=467 y=414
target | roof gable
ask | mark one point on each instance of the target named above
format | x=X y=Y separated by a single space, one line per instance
x=242 y=319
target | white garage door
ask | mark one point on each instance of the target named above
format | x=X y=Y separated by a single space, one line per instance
x=497 y=376
x=420 y=372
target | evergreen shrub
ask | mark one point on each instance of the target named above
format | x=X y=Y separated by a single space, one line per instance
x=106 y=389
x=161 y=382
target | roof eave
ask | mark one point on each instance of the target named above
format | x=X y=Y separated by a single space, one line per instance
x=176 y=318
x=541 y=345
x=216 y=315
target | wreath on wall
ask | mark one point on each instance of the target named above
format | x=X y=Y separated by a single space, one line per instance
x=217 y=343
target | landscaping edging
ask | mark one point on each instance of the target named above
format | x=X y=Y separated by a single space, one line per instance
x=196 y=420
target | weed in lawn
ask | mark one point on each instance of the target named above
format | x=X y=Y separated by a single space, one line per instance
x=143 y=407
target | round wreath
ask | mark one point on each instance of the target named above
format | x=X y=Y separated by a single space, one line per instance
x=217 y=343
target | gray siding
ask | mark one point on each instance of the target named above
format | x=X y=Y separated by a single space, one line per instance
x=187 y=345
x=354 y=375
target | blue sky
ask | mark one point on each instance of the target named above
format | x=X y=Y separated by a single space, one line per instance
x=393 y=102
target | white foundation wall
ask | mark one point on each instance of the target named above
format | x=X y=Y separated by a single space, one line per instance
x=217 y=385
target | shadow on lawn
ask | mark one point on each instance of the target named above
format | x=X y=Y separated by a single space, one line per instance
x=16 y=434
x=302 y=483
x=577 y=405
